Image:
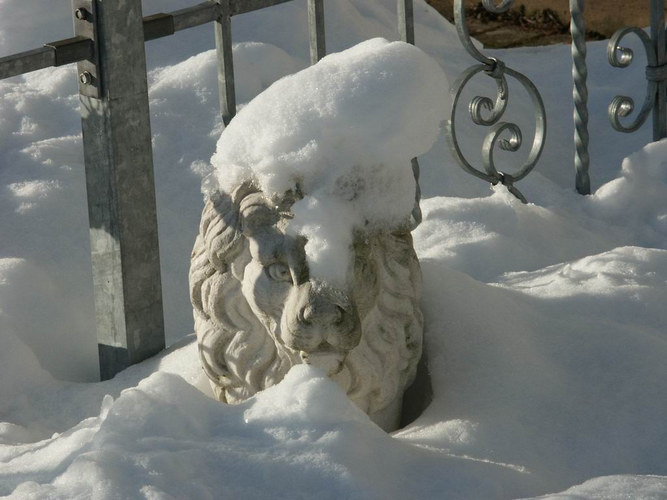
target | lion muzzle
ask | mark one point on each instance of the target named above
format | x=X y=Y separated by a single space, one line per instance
x=321 y=324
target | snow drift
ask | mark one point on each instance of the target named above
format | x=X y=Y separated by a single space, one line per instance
x=545 y=323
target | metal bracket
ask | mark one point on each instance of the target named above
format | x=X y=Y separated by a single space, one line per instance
x=85 y=25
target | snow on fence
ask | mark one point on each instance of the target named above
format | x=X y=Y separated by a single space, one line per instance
x=108 y=48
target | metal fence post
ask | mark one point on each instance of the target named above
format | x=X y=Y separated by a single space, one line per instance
x=406 y=30
x=223 y=44
x=406 y=21
x=120 y=187
x=316 y=30
x=659 y=39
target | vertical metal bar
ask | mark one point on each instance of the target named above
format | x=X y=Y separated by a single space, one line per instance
x=406 y=30
x=580 y=94
x=660 y=45
x=121 y=194
x=223 y=43
x=316 y=29
x=406 y=21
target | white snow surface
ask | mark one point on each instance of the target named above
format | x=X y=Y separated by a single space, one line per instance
x=342 y=133
x=545 y=324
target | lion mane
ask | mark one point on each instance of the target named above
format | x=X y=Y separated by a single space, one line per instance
x=241 y=355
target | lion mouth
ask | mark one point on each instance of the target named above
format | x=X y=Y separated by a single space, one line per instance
x=329 y=360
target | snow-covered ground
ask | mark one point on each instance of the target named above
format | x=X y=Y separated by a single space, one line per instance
x=545 y=323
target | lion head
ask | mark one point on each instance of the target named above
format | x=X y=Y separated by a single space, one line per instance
x=258 y=311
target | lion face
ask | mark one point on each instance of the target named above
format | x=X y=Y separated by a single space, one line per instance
x=316 y=321
x=258 y=311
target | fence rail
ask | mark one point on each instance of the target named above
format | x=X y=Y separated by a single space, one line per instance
x=155 y=26
x=51 y=54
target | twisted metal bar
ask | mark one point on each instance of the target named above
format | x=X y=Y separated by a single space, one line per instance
x=487 y=112
x=580 y=95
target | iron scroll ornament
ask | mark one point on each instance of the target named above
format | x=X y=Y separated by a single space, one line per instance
x=621 y=57
x=487 y=112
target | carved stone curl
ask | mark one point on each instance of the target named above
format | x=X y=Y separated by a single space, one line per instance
x=258 y=311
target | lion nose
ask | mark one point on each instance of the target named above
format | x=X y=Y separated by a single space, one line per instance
x=320 y=312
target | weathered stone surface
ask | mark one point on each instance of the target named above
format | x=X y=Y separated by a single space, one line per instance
x=258 y=311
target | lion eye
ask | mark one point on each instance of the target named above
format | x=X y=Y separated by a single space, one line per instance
x=279 y=272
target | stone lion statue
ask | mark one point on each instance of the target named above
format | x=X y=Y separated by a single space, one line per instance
x=258 y=311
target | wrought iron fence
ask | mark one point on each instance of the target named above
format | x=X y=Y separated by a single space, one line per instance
x=621 y=107
x=494 y=110
x=117 y=139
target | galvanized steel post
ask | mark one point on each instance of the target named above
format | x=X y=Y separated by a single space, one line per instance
x=659 y=39
x=120 y=188
x=406 y=30
x=223 y=44
x=318 y=47
x=406 y=21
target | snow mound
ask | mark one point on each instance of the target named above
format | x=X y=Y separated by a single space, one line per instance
x=619 y=487
x=638 y=198
x=342 y=132
x=32 y=326
x=316 y=400
x=164 y=432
